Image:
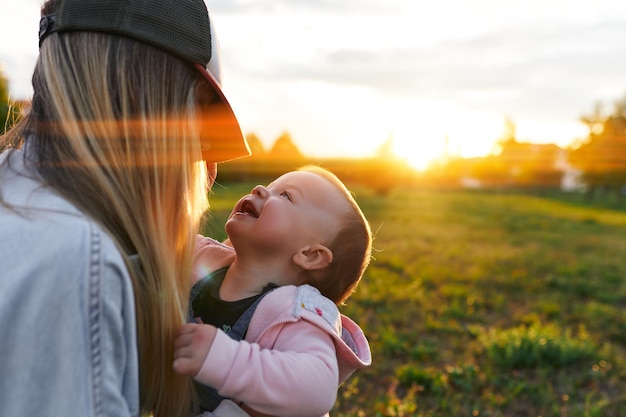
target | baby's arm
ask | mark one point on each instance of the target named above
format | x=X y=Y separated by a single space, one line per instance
x=297 y=377
x=191 y=347
x=210 y=255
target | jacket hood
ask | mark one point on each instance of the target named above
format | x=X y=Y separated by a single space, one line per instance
x=353 y=351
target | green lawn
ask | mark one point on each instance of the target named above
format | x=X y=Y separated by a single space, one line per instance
x=486 y=304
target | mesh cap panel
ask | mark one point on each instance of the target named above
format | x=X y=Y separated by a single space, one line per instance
x=180 y=27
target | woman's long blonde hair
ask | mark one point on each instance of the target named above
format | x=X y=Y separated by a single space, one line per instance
x=112 y=127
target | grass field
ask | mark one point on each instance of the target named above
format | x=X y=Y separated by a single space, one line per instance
x=486 y=304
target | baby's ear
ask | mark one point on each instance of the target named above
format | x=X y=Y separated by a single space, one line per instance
x=313 y=257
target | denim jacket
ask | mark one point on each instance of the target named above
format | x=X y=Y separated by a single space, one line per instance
x=68 y=342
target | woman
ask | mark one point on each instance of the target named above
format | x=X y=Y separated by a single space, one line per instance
x=101 y=195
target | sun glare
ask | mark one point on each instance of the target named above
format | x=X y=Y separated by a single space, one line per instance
x=424 y=134
x=418 y=150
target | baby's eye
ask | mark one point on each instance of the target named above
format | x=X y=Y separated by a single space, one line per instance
x=286 y=195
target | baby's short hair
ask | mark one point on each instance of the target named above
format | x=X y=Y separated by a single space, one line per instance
x=351 y=247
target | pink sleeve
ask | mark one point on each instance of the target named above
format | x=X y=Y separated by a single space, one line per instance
x=210 y=255
x=297 y=377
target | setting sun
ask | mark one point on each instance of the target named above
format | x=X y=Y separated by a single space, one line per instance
x=427 y=132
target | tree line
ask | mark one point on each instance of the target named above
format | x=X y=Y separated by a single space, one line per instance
x=594 y=164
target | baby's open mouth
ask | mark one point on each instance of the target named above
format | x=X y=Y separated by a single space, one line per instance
x=248 y=208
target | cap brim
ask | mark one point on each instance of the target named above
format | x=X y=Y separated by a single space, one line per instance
x=222 y=139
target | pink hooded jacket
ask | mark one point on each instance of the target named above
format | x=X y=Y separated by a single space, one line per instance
x=297 y=351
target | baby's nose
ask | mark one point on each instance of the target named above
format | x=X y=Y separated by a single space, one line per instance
x=260 y=191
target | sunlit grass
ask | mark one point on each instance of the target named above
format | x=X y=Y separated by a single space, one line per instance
x=537 y=346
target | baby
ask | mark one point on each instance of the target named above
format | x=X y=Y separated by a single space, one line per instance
x=296 y=249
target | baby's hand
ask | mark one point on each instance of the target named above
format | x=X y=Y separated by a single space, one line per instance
x=191 y=347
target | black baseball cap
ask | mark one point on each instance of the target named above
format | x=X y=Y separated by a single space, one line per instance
x=181 y=27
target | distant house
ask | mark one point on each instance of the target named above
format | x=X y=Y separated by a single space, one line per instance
x=572 y=177
x=522 y=164
x=532 y=164
x=471 y=183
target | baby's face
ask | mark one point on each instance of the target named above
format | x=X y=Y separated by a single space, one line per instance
x=297 y=209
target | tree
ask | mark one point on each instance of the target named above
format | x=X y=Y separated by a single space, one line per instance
x=4 y=102
x=601 y=157
x=285 y=148
x=255 y=144
x=9 y=114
